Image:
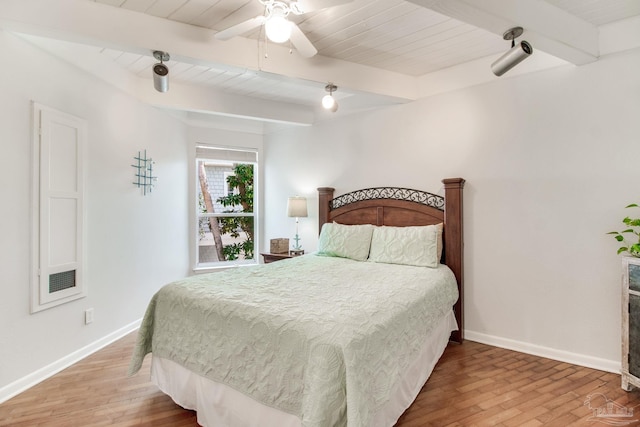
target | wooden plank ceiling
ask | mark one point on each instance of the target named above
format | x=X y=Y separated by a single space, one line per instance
x=373 y=49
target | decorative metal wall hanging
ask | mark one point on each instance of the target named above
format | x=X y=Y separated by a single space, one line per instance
x=144 y=172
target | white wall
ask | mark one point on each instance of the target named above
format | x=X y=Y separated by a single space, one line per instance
x=550 y=159
x=134 y=244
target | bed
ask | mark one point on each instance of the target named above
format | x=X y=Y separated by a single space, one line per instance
x=346 y=336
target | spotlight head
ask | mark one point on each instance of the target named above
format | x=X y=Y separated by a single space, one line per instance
x=511 y=58
x=160 y=72
x=518 y=52
x=161 y=77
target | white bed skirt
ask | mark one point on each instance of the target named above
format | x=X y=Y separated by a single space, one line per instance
x=219 y=405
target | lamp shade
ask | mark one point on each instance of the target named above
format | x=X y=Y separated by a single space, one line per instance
x=278 y=27
x=329 y=103
x=297 y=207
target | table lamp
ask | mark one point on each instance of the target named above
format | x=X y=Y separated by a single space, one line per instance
x=297 y=208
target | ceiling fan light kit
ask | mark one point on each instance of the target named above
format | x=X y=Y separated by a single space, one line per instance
x=278 y=28
x=518 y=52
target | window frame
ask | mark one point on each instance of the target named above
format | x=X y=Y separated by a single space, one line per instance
x=230 y=156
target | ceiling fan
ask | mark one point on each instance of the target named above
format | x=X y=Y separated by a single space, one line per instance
x=277 y=27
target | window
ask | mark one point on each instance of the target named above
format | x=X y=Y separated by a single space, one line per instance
x=228 y=189
x=226 y=197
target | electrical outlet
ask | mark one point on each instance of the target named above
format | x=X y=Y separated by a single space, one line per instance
x=88 y=316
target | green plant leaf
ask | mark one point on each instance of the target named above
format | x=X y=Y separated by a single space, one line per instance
x=633 y=225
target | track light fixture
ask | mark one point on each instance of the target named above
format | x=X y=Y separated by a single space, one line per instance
x=513 y=56
x=328 y=101
x=161 y=71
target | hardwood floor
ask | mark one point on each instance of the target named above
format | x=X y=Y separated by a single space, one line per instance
x=472 y=385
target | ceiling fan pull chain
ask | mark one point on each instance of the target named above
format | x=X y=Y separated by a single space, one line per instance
x=262 y=34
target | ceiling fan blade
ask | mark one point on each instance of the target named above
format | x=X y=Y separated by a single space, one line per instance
x=241 y=28
x=312 y=5
x=301 y=42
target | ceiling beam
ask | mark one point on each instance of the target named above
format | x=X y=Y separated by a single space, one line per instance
x=101 y=25
x=197 y=99
x=547 y=27
x=180 y=96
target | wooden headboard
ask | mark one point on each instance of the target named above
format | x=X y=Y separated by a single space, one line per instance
x=401 y=207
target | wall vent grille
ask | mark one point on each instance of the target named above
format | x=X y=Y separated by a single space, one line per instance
x=61 y=281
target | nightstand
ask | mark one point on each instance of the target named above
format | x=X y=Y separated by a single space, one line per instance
x=268 y=257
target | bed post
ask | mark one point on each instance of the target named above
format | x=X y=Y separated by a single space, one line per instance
x=454 y=245
x=325 y=194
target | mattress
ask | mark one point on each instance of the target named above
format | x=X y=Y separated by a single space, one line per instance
x=324 y=340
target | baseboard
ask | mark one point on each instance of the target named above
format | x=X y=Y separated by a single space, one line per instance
x=550 y=353
x=17 y=387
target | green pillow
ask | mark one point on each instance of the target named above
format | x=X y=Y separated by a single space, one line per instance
x=345 y=241
x=419 y=246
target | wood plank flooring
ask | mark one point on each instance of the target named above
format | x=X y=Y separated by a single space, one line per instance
x=472 y=385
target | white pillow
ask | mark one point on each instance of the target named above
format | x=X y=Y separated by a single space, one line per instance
x=345 y=241
x=419 y=246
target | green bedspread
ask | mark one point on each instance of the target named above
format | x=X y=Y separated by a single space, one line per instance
x=319 y=337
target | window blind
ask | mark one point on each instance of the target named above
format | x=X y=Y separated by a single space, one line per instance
x=241 y=155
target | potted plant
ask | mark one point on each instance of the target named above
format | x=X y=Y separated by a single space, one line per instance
x=633 y=225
